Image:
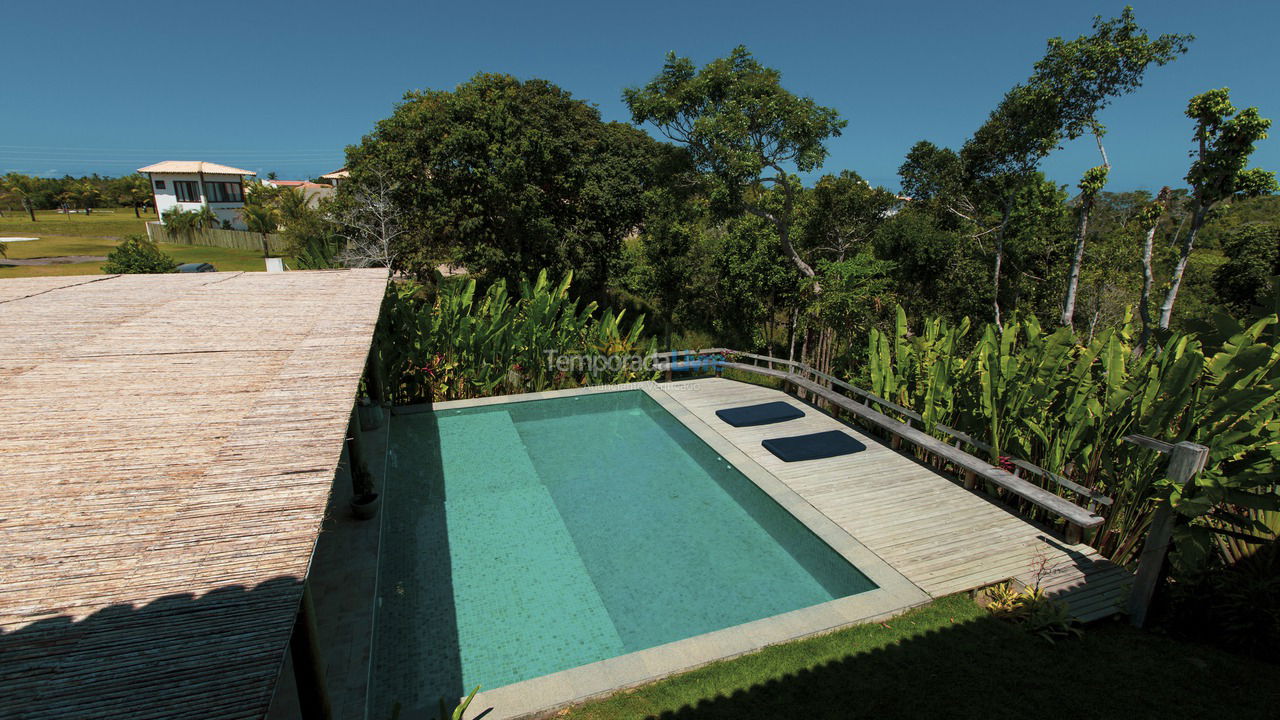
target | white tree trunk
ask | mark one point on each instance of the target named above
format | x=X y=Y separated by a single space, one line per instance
x=1073 y=277
x=1184 y=254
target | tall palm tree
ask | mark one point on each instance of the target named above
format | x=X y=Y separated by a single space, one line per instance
x=206 y=217
x=181 y=223
x=262 y=219
x=88 y=194
x=23 y=188
x=69 y=200
x=135 y=192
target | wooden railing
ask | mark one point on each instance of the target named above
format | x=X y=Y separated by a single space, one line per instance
x=1186 y=459
x=828 y=389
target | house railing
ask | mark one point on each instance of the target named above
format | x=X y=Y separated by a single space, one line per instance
x=871 y=409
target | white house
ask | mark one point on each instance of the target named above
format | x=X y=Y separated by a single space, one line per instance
x=191 y=184
x=337 y=177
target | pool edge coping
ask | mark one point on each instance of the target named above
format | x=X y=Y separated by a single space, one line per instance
x=893 y=593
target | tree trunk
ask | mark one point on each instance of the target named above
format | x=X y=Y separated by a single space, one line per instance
x=135 y=211
x=1148 y=279
x=1175 y=280
x=265 y=251
x=31 y=209
x=1073 y=277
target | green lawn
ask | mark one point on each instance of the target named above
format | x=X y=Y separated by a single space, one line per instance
x=951 y=659
x=112 y=222
x=97 y=235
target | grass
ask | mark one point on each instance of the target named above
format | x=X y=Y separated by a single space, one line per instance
x=951 y=659
x=97 y=235
x=111 y=222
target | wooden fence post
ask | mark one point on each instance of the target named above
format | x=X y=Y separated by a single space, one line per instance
x=1185 y=460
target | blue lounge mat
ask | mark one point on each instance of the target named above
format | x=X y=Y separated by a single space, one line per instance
x=762 y=414
x=813 y=447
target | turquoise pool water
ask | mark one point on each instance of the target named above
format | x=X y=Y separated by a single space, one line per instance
x=526 y=538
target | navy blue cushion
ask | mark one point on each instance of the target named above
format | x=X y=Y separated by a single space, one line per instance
x=763 y=414
x=813 y=447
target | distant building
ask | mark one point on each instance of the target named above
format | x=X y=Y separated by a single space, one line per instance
x=191 y=184
x=337 y=177
x=313 y=192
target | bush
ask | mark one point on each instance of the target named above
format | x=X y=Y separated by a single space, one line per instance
x=1235 y=606
x=460 y=344
x=138 y=255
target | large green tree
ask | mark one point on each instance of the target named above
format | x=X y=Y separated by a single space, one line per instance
x=507 y=177
x=1225 y=140
x=745 y=132
x=1070 y=85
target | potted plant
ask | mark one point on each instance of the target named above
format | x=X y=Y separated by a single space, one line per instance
x=364 y=501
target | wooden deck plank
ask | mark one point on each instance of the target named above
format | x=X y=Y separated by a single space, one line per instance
x=942 y=537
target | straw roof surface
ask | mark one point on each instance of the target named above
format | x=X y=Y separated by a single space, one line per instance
x=169 y=445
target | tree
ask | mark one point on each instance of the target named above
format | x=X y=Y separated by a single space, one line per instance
x=134 y=191
x=1247 y=279
x=1147 y=220
x=1091 y=184
x=24 y=188
x=507 y=177
x=181 y=223
x=368 y=219
x=262 y=219
x=87 y=193
x=137 y=254
x=1086 y=74
x=1070 y=85
x=206 y=218
x=1224 y=141
x=743 y=129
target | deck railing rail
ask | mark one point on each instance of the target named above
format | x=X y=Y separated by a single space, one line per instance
x=908 y=426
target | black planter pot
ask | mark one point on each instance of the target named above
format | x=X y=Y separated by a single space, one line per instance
x=364 y=507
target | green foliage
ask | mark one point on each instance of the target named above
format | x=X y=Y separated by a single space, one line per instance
x=137 y=254
x=1095 y=178
x=459 y=345
x=735 y=117
x=1033 y=610
x=261 y=219
x=1247 y=280
x=509 y=177
x=1226 y=140
x=181 y=223
x=744 y=132
x=1066 y=406
x=1236 y=606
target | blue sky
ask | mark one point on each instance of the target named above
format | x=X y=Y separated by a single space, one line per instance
x=285 y=86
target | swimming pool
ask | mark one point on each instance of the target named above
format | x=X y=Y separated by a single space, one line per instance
x=522 y=539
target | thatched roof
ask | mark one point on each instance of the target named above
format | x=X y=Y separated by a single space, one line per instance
x=169 y=445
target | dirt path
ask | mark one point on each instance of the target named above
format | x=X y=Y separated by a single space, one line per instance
x=60 y=260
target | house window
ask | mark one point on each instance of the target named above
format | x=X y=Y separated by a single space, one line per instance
x=159 y=184
x=187 y=190
x=221 y=192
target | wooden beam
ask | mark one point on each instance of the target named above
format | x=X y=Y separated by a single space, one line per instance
x=308 y=665
x=1185 y=460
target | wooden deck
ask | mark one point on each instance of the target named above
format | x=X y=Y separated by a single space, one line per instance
x=169 y=444
x=942 y=537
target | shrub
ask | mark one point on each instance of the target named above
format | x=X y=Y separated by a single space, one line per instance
x=459 y=344
x=138 y=255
